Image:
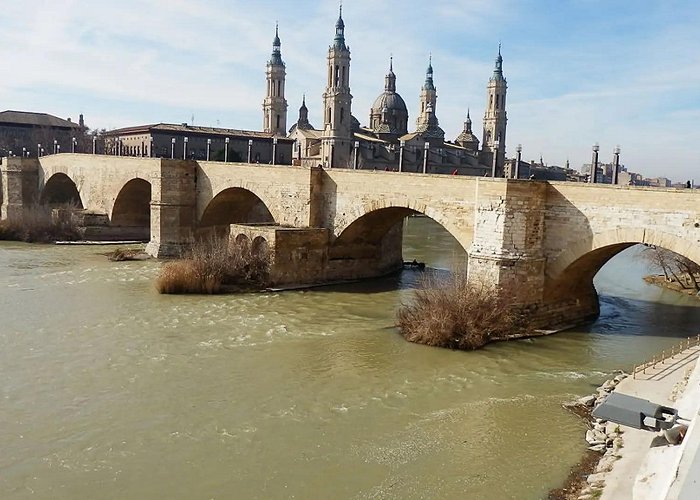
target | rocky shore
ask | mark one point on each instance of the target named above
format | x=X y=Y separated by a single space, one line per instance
x=605 y=444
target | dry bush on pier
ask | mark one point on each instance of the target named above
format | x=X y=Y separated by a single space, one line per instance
x=459 y=315
x=214 y=263
x=42 y=224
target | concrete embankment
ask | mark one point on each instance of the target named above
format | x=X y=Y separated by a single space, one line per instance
x=638 y=464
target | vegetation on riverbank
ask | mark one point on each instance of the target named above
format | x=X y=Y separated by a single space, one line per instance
x=42 y=224
x=679 y=273
x=214 y=266
x=456 y=314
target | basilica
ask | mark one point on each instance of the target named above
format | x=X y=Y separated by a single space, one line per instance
x=386 y=142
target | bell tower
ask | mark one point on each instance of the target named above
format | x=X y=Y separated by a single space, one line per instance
x=495 y=119
x=336 y=143
x=428 y=96
x=275 y=105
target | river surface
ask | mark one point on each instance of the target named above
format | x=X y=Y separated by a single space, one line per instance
x=111 y=391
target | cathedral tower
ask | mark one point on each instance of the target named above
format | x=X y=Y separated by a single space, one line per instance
x=495 y=116
x=336 y=145
x=275 y=105
x=428 y=96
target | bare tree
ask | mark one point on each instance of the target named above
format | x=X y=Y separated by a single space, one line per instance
x=675 y=267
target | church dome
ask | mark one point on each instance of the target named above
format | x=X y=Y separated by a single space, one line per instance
x=389 y=100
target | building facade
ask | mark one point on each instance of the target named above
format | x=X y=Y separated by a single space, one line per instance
x=32 y=134
x=185 y=141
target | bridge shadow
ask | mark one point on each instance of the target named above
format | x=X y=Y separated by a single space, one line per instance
x=623 y=316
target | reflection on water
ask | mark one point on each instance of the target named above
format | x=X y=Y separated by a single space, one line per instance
x=109 y=387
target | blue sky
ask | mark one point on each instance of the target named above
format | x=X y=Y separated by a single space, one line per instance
x=621 y=72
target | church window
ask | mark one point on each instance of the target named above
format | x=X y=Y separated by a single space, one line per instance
x=328 y=115
x=278 y=121
x=279 y=88
x=491 y=101
x=337 y=74
x=344 y=80
x=342 y=114
x=497 y=99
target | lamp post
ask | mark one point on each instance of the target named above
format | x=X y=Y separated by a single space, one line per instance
x=426 y=149
x=250 y=149
x=38 y=150
x=58 y=148
x=73 y=143
x=226 y=142
x=616 y=166
x=55 y=143
x=402 y=145
x=519 y=150
x=24 y=153
x=594 y=164
x=494 y=163
x=172 y=148
x=208 y=148
x=274 y=150
x=94 y=144
x=42 y=151
x=184 y=147
x=355 y=158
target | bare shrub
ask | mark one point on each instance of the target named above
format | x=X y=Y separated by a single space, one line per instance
x=211 y=264
x=676 y=268
x=457 y=314
x=42 y=224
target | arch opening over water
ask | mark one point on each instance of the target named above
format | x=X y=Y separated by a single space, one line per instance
x=132 y=210
x=233 y=206
x=60 y=190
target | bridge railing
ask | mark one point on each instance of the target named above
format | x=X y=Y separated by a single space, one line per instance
x=666 y=354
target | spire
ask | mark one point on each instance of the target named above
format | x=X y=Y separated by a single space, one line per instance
x=468 y=123
x=339 y=41
x=429 y=85
x=276 y=58
x=390 y=79
x=303 y=104
x=498 y=69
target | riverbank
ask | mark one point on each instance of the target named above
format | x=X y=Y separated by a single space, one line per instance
x=661 y=281
x=620 y=452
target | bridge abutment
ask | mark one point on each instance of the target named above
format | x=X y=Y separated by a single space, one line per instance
x=173 y=199
x=20 y=190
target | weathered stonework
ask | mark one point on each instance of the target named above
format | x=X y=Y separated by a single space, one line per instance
x=539 y=243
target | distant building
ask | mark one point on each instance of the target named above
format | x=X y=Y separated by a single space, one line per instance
x=165 y=140
x=30 y=132
x=385 y=143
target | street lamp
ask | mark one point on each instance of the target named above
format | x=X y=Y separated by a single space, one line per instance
x=172 y=148
x=402 y=145
x=24 y=152
x=616 y=166
x=208 y=148
x=355 y=158
x=274 y=150
x=594 y=164
x=494 y=163
x=55 y=143
x=94 y=144
x=250 y=148
x=184 y=148
x=73 y=143
x=426 y=149
x=38 y=150
x=58 y=148
x=226 y=142
x=519 y=150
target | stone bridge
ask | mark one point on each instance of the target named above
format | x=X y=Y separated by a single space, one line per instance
x=541 y=243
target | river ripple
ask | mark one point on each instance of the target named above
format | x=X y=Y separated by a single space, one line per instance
x=110 y=390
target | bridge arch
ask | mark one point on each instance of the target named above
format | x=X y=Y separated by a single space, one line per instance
x=132 y=209
x=234 y=205
x=569 y=277
x=60 y=190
